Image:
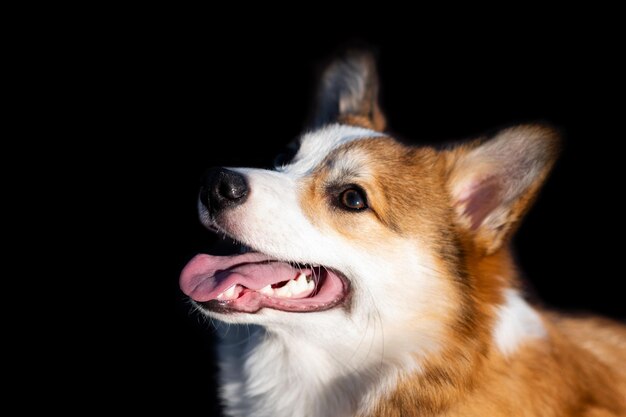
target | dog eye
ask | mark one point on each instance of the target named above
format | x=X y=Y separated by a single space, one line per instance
x=353 y=199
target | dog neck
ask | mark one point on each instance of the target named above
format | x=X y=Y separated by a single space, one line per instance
x=290 y=372
x=278 y=373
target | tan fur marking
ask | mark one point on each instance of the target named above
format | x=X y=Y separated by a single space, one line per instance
x=408 y=208
x=576 y=371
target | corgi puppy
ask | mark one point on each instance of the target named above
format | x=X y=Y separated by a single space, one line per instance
x=378 y=281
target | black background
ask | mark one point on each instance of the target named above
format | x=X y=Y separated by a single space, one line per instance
x=184 y=101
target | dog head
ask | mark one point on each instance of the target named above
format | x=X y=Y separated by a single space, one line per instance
x=358 y=233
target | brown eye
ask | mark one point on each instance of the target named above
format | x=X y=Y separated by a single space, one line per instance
x=353 y=199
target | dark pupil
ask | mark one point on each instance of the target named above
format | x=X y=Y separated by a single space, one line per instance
x=353 y=199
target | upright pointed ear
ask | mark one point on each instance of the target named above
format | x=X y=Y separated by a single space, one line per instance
x=348 y=93
x=494 y=182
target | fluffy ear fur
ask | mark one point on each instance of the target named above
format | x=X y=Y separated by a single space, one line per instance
x=492 y=183
x=348 y=93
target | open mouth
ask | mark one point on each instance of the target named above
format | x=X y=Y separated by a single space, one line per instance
x=252 y=281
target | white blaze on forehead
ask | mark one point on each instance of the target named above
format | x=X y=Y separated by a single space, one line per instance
x=517 y=322
x=315 y=146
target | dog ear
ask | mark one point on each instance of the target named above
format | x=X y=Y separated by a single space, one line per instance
x=493 y=182
x=348 y=93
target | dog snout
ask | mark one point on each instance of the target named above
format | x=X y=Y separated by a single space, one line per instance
x=222 y=188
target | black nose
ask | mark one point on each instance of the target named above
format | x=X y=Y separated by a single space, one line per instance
x=222 y=188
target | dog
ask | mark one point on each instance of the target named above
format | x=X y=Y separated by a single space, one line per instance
x=377 y=279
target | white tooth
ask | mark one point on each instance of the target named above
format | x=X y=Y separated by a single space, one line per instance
x=293 y=288
x=284 y=291
x=301 y=278
x=229 y=293
x=292 y=285
x=303 y=285
x=298 y=286
x=267 y=290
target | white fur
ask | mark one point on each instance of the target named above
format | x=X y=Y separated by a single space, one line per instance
x=517 y=324
x=331 y=363
x=315 y=146
x=336 y=362
x=277 y=374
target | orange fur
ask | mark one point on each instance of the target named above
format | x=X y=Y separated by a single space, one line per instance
x=463 y=342
x=577 y=370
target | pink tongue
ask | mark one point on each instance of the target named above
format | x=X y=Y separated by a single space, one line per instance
x=206 y=276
